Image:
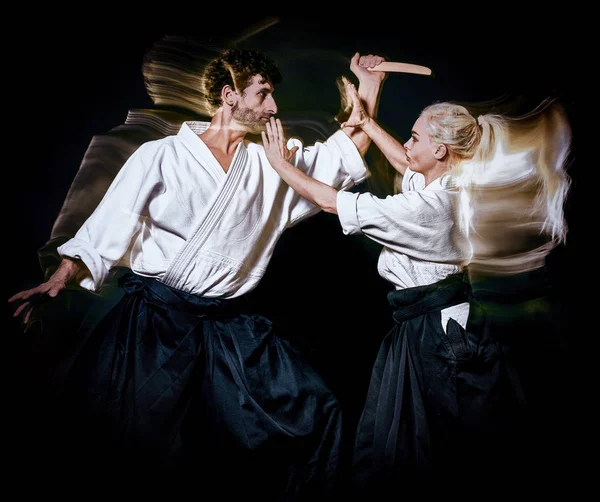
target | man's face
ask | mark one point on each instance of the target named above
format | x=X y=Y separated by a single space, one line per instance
x=255 y=105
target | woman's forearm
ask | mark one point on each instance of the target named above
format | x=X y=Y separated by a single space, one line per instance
x=311 y=189
x=391 y=148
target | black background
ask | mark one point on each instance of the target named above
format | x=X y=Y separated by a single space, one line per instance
x=323 y=287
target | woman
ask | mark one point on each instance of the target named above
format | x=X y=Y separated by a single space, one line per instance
x=443 y=392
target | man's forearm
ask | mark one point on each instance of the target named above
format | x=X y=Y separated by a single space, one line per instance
x=369 y=93
x=67 y=271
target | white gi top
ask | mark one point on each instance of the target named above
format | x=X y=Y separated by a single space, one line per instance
x=173 y=213
x=419 y=230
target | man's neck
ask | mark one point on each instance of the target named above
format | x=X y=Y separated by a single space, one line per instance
x=222 y=134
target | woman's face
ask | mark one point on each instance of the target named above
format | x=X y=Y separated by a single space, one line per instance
x=419 y=149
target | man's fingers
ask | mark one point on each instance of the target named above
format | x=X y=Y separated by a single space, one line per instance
x=370 y=61
x=24 y=295
x=18 y=296
x=20 y=309
x=28 y=316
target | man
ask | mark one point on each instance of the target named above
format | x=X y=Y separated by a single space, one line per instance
x=177 y=373
x=171 y=69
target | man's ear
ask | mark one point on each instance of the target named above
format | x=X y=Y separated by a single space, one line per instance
x=440 y=151
x=228 y=95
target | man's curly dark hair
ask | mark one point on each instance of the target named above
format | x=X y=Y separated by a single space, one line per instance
x=241 y=64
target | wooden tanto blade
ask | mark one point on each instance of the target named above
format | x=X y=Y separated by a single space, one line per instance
x=391 y=66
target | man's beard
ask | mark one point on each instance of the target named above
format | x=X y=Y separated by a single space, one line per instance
x=250 y=121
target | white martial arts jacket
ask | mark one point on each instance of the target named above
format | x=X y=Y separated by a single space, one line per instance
x=419 y=230
x=172 y=213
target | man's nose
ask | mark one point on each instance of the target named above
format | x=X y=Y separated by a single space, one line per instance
x=272 y=106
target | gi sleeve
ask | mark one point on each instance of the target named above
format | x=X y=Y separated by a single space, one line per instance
x=335 y=162
x=417 y=224
x=104 y=239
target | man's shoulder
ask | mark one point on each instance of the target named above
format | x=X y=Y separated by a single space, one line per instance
x=164 y=142
x=157 y=148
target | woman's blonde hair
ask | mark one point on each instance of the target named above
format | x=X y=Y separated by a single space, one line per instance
x=495 y=151
x=535 y=146
x=452 y=125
